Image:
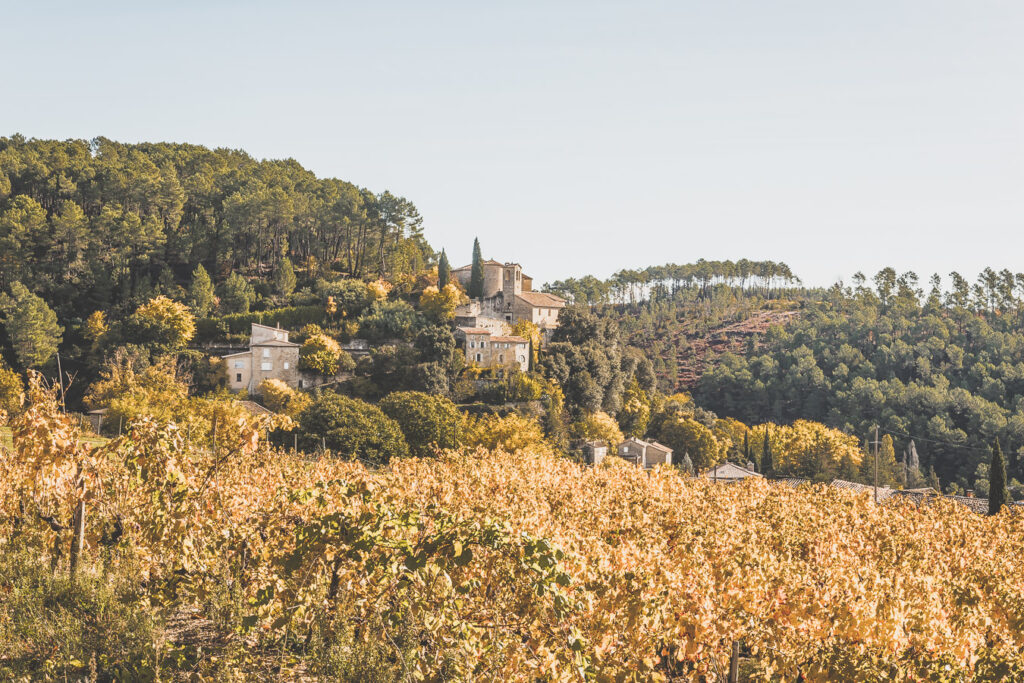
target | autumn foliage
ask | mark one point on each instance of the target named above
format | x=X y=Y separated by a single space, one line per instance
x=524 y=566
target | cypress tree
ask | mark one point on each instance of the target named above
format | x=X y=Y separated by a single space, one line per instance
x=284 y=277
x=476 y=278
x=767 y=466
x=200 y=292
x=444 y=271
x=746 y=446
x=998 y=495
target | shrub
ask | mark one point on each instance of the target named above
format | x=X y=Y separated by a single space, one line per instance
x=323 y=355
x=389 y=320
x=351 y=429
x=510 y=433
x=161 y=325
x=598 y=426
x=281 y=398
x=427 y=422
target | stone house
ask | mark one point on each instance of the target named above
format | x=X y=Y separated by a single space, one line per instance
x=508 y=295
x=270 y=356
x=646 y=454
x=594 y=451
x=489 y=350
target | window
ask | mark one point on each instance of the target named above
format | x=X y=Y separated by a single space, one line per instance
x=286 y=365
x=300 y=384
x=472 y=344
x=501 y=358
x=266 y=366
x=266 y=353
x=483 y=345
x=239 y=364
x=478 y=358
x=238 y=377
x=522 y=359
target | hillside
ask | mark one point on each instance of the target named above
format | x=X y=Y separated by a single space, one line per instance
x=699 y=351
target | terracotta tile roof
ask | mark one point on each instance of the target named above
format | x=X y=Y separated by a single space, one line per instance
x=274 y=342
x=474 y=330
x=542 y=299
x=660 y=445
x=518 y=340
x=488 y=262
x=979 y=505
x=884 y=492
x=255 y=408
x=728 y=470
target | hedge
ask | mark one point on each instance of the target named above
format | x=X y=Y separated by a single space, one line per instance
x=290 y=317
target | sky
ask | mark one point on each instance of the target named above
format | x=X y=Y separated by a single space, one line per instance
x=582 y=137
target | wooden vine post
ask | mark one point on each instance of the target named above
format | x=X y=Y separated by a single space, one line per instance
x=77 y=538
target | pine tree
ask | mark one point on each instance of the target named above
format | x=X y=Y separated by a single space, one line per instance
x=476 y=277
x=998 y=495
x=200 y=293
x=767 y=466
x=31 y=326
x=444 y=271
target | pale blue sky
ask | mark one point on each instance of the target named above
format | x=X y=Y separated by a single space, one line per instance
x=582 y=137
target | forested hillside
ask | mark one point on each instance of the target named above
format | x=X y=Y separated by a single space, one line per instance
x=98 y=225
x=942 y=367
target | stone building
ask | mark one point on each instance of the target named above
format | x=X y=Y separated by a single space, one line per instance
x=508 y=296
x=270 y=356
x=646 y=454
x=489 y=350
x=727 y=473
x=594 y=451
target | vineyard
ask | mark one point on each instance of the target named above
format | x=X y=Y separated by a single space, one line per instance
x=152 y=557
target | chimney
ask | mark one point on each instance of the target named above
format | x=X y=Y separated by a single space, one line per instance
x=970 y=493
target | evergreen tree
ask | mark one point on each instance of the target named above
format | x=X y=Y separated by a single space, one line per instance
x=200 y=293
x=31 y=326
x=933 y=480
x=444 y=270
x=847 y=469
x=998 y=495
x=914 y=477
x=687 y=464
x=746 y=446
x=888 y=468
x=767 y=466
x=284 y=277
x=237 y=294
x=867 y=467
x=476 y=277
